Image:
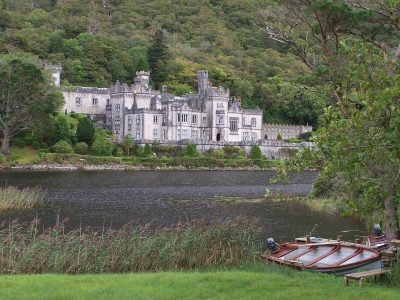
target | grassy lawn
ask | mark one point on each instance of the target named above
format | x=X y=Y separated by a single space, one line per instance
x=26 y=154
x=181 y=285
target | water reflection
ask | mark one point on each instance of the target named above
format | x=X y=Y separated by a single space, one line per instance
x=113 y=198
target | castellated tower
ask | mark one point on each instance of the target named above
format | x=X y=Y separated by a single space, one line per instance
x=202 y=77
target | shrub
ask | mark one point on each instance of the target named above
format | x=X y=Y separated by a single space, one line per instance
x=13 y=157
x=1 y=158
x=147 y=150
x=62 y=147
x=292 y=140
x=35 y=145
x=279 y=136
x=81 y=148
x=230 y=150
x=21 y=144
x=102 y=147
x=256 y=152
x=242 y=152
x=73 y=115
x=43 y=145
x=42 y=151
x=191 y=150
x=305 y=136
x=218 y=153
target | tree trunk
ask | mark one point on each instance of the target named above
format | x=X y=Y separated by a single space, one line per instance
x=5 y=143
x=391 y=220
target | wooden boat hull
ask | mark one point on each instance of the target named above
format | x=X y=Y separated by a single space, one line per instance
x=330 y=257
x=378 y=242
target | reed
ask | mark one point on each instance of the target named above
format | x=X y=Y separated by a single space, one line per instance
x=133 y=248
x=12 y=197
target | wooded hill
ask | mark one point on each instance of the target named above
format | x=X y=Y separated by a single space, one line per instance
x=99 y=42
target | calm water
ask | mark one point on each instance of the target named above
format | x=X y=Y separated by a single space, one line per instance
x=113 y=198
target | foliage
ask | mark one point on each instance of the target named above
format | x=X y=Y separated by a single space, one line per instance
x=191 y=150
x=62 y=147
x=279 y=136
x=305 y=136
x=81 y=148
x=128 y=144
x=256 y=152
x=77 y=159
x=147 y=150
x=35 y=145
x=230 y=150
x=133 y=248
x=12 y=197
x=64 y=132
x=25 y=99
x=102 y=147
x=157 y=57
x=218 y=153
x=358 y=151
x=85 y=130
x=166 y=150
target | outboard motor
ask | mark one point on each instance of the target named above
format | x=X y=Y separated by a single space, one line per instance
x=377 y=230
x=272 y=246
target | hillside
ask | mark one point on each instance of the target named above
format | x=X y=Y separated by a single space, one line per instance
x=99 y=42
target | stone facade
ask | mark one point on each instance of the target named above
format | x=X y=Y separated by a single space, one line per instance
x=145 y=114
x=137 y=110
x=286 y=131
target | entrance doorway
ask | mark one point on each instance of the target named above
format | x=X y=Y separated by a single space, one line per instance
x=218 y=137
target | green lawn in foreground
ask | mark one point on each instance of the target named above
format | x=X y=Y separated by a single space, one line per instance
x=181 y=285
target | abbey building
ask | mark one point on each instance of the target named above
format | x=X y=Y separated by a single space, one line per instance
x=145 y=114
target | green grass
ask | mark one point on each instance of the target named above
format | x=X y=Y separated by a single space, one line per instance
x=235 y=284
x=26 y=154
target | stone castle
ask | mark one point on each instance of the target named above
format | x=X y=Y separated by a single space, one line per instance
x=137 y=110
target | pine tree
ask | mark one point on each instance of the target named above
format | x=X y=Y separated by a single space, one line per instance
x=85 y=130
x=157 y=57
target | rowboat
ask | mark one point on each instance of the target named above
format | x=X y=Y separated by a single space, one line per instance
x=327 y=257
x=378 y=240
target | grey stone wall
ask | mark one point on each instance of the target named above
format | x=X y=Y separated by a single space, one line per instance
x=270 y=149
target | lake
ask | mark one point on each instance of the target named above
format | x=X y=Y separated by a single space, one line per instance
x=112 y=198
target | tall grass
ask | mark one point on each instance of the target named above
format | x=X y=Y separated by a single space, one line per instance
x=133 y=248
x=12 y=197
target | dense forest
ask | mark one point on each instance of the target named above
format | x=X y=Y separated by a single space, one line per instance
x=99 y=42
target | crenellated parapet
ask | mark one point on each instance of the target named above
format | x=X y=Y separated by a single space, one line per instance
x=86 y=90
x=120 y=88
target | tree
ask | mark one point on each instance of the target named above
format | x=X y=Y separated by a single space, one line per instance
x=358 y=152
x=314 y=30
x=128 y=143
x=157 y=57
x=191 y=150
x=256 y=152
x=85 y=130
x=147 y=150
x=25 y=99
x=63 y=129
x=102 y=147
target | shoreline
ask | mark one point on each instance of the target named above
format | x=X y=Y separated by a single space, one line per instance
x=122 y=167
